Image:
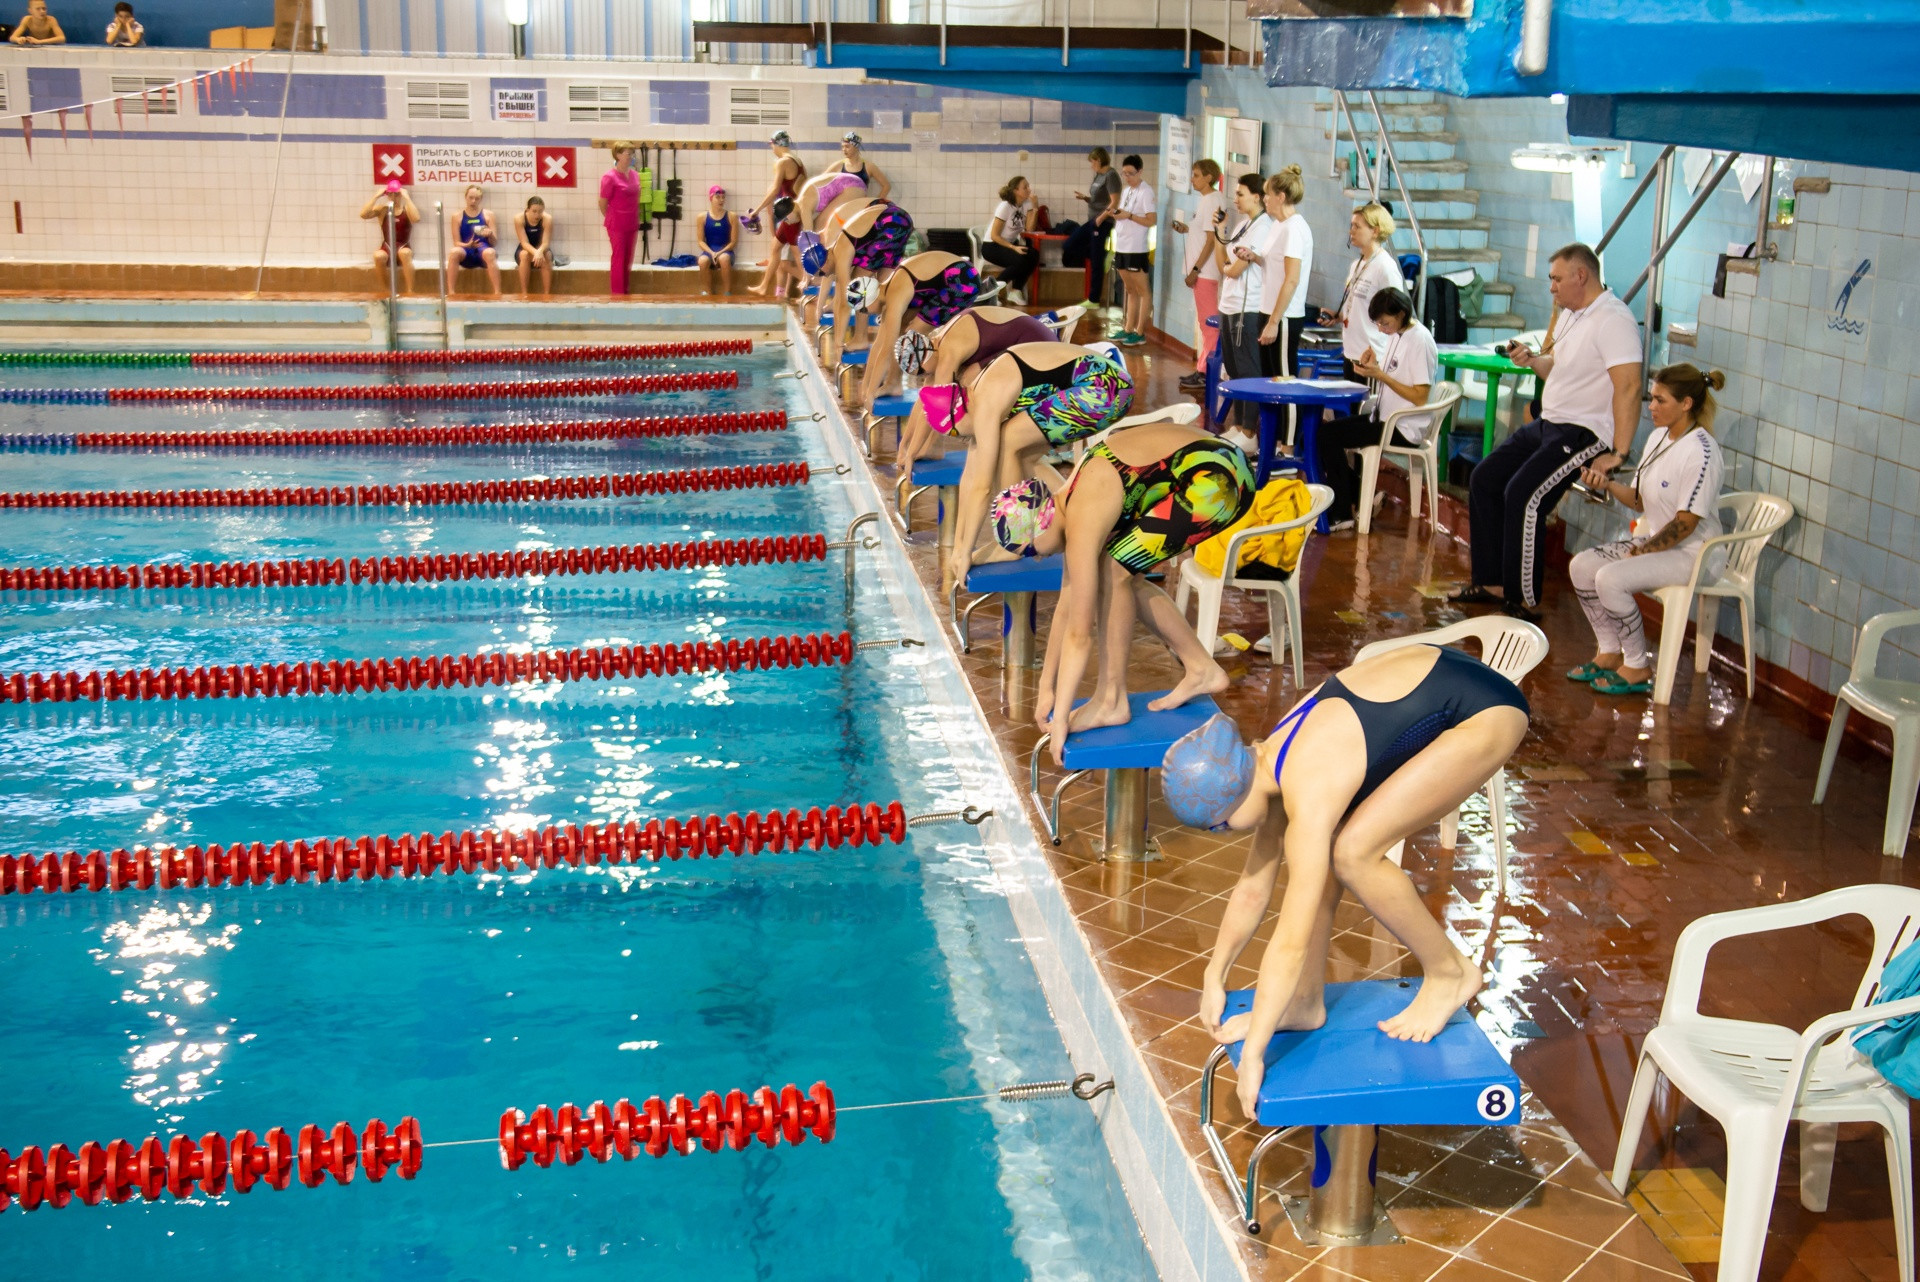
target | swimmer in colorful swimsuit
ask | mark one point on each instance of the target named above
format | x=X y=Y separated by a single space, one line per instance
x=924 y=293
x=956 y=353
x=1378 y=752
x=820 y=205
x=861 y=240
x=1036 y=397
x=1140 y=495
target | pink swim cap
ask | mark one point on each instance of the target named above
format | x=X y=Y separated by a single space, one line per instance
x=946 y=405
x=393 y=184
x=716 y=190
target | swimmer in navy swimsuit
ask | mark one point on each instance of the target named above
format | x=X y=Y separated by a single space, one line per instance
x=1377 y=753
x=474 y=236
x=719 y=233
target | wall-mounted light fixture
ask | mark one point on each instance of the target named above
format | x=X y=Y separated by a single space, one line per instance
x=1559 y=158
x=517 y=23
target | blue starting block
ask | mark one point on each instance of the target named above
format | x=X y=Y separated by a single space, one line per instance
x=1014 y=582
x=1347 y=1079
x=942 y=474
x=1125 y=753
x=895 y=409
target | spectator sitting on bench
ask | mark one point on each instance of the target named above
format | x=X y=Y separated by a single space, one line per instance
x=394 y=208
x=1138 y=497
x=719 y=235
x=38 y=27
x=533 y=235
x=474 y=236
x=1375 y=754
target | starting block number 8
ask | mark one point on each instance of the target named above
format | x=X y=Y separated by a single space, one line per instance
x=1495 y=1103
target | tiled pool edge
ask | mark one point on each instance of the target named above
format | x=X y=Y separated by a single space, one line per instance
x=1186 y=1234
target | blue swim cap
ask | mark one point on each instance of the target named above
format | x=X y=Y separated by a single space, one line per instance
x=813 y=255
x=1207 y=773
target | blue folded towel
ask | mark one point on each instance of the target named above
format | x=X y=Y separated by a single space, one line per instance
x=678 y=260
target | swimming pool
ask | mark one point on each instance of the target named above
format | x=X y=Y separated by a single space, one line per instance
x=891 y=972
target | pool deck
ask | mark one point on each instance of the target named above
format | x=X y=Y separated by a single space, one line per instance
x=1632 y=821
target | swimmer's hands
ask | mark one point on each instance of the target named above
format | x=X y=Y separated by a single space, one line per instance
x=1253 y=1070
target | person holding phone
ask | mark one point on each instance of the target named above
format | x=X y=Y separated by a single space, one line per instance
x=1369 y=231
x=1203 y=272
x=1240 y=255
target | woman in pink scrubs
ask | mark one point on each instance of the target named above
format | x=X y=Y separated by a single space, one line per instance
x=620 y=211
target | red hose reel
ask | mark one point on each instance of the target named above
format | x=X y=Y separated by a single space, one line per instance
x=419 y=568
x=609 y=429
x=429 y=494
x=657 y=1129
x=184 y=1166
x=331 y=859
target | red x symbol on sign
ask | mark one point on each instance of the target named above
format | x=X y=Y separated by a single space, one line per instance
x=392 y=160
x=553 y=167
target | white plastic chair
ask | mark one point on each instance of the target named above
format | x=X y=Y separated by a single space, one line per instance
x=1063 y=321
x=1283 y=595
x=1755 y=1078
x=1441 y=398
x=1895 y=704
x=1756 y=518
x=1511 y=647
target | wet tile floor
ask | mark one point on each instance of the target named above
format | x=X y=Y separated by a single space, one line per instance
x=1627 y=822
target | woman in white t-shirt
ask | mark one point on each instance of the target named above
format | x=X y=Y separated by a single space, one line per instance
x=1241 y=283
x=1203 y=273
x=1404 y=374
x=1287 y=272
x=1006 y=244
x=1131 y=222
x=1676 y=490
x=1370 y=231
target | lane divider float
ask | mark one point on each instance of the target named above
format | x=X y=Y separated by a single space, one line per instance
x=418 y=568
x=491 y=850
x=656 y=1129
x=431 y=493
x=465 y=356
x=610 y=429
x=517 y=389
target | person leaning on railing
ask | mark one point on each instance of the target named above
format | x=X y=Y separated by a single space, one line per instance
x=38 y=27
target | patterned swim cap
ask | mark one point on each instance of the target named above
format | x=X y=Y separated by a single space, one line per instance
x=1020 y=513
x=1207 y=773
x=912 y=352
x=863 y=292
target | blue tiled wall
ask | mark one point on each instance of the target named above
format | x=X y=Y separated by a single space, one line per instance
x=679 y=102
x=51 y=88
x=312 y=97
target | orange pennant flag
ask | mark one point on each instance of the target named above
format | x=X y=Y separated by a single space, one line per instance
x=87 y=111
x=26 y=134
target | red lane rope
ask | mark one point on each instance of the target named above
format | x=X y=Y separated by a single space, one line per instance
x=428 y=494
x=411 y=672
x=656 y=1129
x=611 y=429
x=706 y=381
x=410 y=855
x=455 y=566
x=185 y=1167
x=488 y=356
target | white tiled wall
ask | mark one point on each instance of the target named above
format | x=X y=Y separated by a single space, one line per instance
x=203 y=189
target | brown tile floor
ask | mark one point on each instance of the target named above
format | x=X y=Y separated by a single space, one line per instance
x=1632 y=820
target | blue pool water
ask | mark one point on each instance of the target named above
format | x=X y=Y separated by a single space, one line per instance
x=893 y=973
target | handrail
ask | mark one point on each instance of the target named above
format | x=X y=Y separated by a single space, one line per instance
x=1673 y=237
x=1536 y=29
x=446 y=270
x=1066 y=31
x=1400 y=181
x=393 y=279
x=1353 y=133
x=1653 y=172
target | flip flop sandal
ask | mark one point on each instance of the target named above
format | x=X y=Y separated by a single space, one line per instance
x=1612 y=684
x=1515 y=610
x=1475 y=595
x=1588 y=672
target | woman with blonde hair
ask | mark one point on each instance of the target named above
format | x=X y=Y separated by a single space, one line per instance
x=1676 y=489
x=1288 y=269
x=1370 y=231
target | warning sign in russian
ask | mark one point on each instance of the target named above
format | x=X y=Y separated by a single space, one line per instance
x=440 y=165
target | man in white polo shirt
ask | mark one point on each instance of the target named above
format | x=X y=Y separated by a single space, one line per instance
x=1589 y=413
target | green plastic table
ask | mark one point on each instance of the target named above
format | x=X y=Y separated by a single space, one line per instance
x=1494 y=366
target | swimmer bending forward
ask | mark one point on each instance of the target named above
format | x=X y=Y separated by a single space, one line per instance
x=1378 y=752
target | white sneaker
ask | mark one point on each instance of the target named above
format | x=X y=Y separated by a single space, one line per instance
x=1264 y=645
x=1017 y=297
x=1246 y=444
x=1337 y=526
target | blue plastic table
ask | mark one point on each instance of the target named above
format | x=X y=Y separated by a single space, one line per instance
x=1015 y=582
x=1126 y=753
x=1347 y=1078
x=1271 y=394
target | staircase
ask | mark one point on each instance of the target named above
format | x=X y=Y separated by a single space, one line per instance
x=1436 y=181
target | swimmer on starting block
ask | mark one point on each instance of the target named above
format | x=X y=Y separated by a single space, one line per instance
x=956 y=353
x=923 y=293
x=1375 y=754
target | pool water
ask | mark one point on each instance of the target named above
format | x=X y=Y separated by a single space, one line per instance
x=893 y=973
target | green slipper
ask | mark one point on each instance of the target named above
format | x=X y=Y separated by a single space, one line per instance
x=1588 y=672
x=1610 y=683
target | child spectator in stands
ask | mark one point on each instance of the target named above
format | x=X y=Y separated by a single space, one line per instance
x=475 y=234
x=394 y=208
x=125 y=32
x=719 y=237
x=533 y=228
x=38 y=27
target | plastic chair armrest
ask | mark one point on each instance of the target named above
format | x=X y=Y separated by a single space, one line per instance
x=1866 y=652
x=1232 y=562
x=1702 y=933
x=1822 y=1030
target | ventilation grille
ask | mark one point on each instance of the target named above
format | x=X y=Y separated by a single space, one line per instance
x=439 y=100
x=3 y=91
x=758 y=105
x=134 y=86
x=599 y=102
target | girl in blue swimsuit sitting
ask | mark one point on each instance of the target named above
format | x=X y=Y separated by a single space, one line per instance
x=1378 y=752
x=719 y=234
x=474 y=236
